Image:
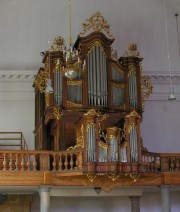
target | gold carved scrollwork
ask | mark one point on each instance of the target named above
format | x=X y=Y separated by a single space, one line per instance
x=57 y=112
x=79 y=139
x=75 y=82
x=47 y=99
x=103 y=145
x=96 y=43
x=41 y=81
x=118 y=85
x=58 y=66
x=58 y=44
x=113 y=177
x=88 y=125
x=97 y=23
x=72 y=104
x=92 y=112
x=131 y=51
x=146 y=88
x=114 y=54
x=132 y=70
x=91 y=177
x=133 y=114
x=135 y=176
x=130 y=127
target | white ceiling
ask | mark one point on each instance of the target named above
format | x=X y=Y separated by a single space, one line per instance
x=27 y=25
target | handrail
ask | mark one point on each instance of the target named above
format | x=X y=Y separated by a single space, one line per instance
x=13 y=137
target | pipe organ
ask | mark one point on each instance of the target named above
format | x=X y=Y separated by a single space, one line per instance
x=96 y=102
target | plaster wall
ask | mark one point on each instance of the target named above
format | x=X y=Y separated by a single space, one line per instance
x=149 y=202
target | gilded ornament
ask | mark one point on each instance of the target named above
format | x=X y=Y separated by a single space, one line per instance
x=58 y=66
x=133 y=114
x=91 y=177
x=96 y=23
x=74 y=82
x=103 y=144
x=41 y=81
x=72 y=104
x=79 y=139
x=114 y=54
x=57 y=112
x=118 y=85
x=96 y=43
x=132 y=70
x=47 y=99
x=58 y=44
x=130 y=127
x=146 y=88
x=134 y=176
x=92 y=112
x=132 y=51
x=113 y=177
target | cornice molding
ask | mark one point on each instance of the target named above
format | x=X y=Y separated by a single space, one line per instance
x=16 y=76
x=163 y=77
x=161 y=85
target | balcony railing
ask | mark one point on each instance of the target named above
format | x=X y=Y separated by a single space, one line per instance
x=67 y=161
x=159 y=162
x=72 y=161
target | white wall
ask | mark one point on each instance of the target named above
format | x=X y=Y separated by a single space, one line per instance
x=17 y=103
x=149 y=202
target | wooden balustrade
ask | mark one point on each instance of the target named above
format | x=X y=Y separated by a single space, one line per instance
x=160 y=162
x=70 y=161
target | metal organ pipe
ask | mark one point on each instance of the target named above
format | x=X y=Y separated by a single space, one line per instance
x=133 y=144
x=91 y=143
x=133 y=90
x=97 y=77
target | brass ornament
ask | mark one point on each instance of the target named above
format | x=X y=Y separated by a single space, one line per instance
x=96 y=23
x=132 y=51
